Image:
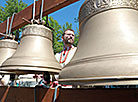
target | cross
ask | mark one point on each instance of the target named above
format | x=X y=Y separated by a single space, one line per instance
x=49 y=7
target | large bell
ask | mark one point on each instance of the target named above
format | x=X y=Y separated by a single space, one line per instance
x=108 y=46
x=35 y=53
x=7 y=49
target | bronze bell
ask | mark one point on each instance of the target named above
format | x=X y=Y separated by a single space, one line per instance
x=107 y=51
x=7 y=49
x=35 y=53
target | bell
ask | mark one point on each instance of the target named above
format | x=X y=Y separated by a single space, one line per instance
x=107 y=51
x=35 y=53
x=7 y=49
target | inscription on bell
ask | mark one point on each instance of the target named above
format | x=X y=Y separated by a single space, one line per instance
x=92 y=7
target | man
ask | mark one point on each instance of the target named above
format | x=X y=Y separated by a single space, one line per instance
x=66 y=55
x=68 y=52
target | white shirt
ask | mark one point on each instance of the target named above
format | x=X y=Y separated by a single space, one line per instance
x=65 y=56
x=5 y=80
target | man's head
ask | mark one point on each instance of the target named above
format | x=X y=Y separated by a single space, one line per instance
x=68 y=36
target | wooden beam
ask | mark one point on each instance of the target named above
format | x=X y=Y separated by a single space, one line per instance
x=49 y=7
x=29 y=94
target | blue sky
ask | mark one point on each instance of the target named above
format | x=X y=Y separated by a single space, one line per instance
x=66 y=14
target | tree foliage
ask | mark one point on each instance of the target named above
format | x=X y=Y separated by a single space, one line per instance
x=11 y=6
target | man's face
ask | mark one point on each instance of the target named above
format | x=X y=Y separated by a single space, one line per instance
x=68 y=37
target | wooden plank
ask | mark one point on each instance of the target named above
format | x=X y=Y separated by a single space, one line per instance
x=5 y=94
x=20 y=94
x=98 y=95
x=49 y=95
x=27 y=94
x=49 y=7
x=2 y=91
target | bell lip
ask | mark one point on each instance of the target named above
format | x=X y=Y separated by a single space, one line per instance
x=29 y=70
x=98 y=78
x=6 y=72
x=30 y=62
x=118 y=80
x=102 y=83
x=106 y=63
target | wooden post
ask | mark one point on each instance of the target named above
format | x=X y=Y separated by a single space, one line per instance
x=49 y=95
x=5 y=94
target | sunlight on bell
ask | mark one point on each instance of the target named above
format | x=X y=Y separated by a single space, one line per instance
x=37 y=42
x=126 y=29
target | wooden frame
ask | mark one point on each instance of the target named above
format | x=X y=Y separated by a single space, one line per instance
x=49 y=7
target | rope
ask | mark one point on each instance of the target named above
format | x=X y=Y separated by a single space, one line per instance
x=35 y=99
x=55 y=94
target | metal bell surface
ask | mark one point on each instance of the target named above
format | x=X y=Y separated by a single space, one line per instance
x=35 y=53
x=7 y=49
x=107 y=51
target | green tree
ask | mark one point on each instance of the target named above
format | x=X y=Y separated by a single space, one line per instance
x=11 y=6
x=76 y=37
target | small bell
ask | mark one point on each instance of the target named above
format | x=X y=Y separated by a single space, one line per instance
x=35 y=52
x=7 y=49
